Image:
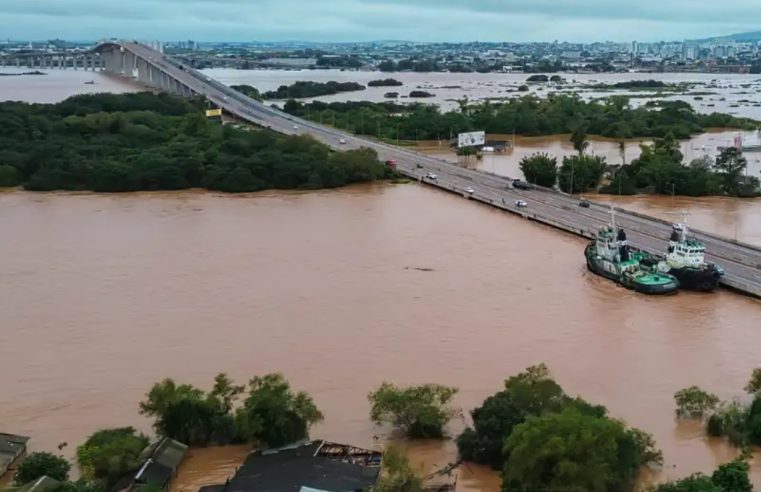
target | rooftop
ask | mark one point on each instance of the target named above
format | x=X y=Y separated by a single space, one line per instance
x=11 y=447
x=304 y=466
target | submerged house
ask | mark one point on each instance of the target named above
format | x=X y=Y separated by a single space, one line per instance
x=310 y=466
x=160 y=462
x=12 y=447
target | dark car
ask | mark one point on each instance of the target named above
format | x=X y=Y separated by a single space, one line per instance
x=584 y=203
x=522 y=185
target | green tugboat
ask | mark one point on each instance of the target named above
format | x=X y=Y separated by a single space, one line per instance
x=609 y=256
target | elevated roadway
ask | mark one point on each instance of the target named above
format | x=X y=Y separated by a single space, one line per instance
x=742 y=262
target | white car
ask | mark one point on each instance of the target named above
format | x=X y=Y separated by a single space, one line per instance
x=520 y=204
x=295 y=127
x=470 y=190
x=342 y=141
x=431 y=176
x=678 y=227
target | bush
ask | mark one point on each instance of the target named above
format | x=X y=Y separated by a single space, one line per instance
x=272 y=415
x=540 y=169
x=419 y=411
x=41 y=464
x=110 y=454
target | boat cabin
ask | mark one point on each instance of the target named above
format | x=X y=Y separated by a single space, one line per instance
x=686 y=253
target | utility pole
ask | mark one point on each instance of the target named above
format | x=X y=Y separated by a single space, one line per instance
x=362 y=112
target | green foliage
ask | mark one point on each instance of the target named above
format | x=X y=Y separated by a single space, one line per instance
x=694 y=483
x=42 y=464
x=110 y=454
x=621 y=184
x=385 y=83
x=397 y=474
x=540 y=169
x=420 y=411
x=754 y=384
x=580 y=173
x=527 y=115
x=524 y=430
x=730 y=165
x=730 y=420
x=144 y=141
x=493 y=421
x=248 y=90
x=191 y=416
x=272 y=415
x=537 y=78
x=302 y=89
x=10 y=176
x=729 y=477
x=568 y=451
x=733 y=476
x=693 y=402
x=579 y=138
x=81 y=485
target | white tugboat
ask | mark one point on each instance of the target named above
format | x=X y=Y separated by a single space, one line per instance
x=686 y=259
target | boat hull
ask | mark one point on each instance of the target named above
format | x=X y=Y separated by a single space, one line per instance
x=701 y=280
x=650 y=289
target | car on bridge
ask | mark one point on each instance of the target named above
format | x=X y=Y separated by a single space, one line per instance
x=431 y=176
x=584 y=203
x=521 y=204
x=342 y=141
x=469 y=190
x=522 y=185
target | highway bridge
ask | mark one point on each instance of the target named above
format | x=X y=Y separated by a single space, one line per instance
x=742 y=262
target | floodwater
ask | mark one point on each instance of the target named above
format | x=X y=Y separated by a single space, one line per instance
x=103 y=295
x=57 y=85
x=727 y=93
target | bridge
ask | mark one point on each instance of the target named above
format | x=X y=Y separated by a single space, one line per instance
x=742 y=262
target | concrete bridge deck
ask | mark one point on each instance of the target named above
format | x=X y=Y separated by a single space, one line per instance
x=742 y=262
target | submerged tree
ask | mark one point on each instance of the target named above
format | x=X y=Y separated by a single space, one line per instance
x=540 y=169
x=419 y=411
x=272 y=415
x=693 y=402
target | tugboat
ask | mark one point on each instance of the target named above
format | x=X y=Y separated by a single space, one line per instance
x=610 y=256
x=686 y=261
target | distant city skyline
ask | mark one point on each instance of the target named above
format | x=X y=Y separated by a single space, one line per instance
x=370 y=20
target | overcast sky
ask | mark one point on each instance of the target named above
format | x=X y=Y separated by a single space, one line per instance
x=364 y=20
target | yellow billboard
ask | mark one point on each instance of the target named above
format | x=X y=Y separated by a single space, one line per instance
x=211 y=113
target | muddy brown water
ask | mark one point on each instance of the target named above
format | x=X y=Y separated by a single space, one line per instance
x=103 y=295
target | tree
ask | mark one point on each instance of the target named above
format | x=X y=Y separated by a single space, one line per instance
x=730 y=420
x=694 y=483
x=387 y=66
x=419 y=411
x=397 y=474
x=580 y=173
x=189 y=415
x=10 y=176
x=110 y=454
x=579 y=138
x=693 y=402
x=568 y=451
x=272 y=415
x=42 y=464
x=754 y=384
x=540 y=169
x=730 y=165
x=733 y=476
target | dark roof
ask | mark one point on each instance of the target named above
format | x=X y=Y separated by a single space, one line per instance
x=11 y=447
x=39 y=485
x=318 y=465
x=154 y=473
x=161 y=461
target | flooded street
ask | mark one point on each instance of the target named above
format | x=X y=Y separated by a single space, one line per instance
x=103 y=295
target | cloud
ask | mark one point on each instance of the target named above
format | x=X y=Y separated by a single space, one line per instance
x=349 y=20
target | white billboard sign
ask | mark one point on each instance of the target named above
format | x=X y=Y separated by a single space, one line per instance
x=471 y=139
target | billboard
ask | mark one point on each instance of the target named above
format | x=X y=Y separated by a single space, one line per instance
x=211 y=113
x=471 y=139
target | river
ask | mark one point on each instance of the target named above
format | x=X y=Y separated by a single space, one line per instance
x=103 y=295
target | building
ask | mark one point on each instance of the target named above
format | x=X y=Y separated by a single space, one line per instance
x=319 y=466
x=12 y=447
x=40 y=485
x=160 y=462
